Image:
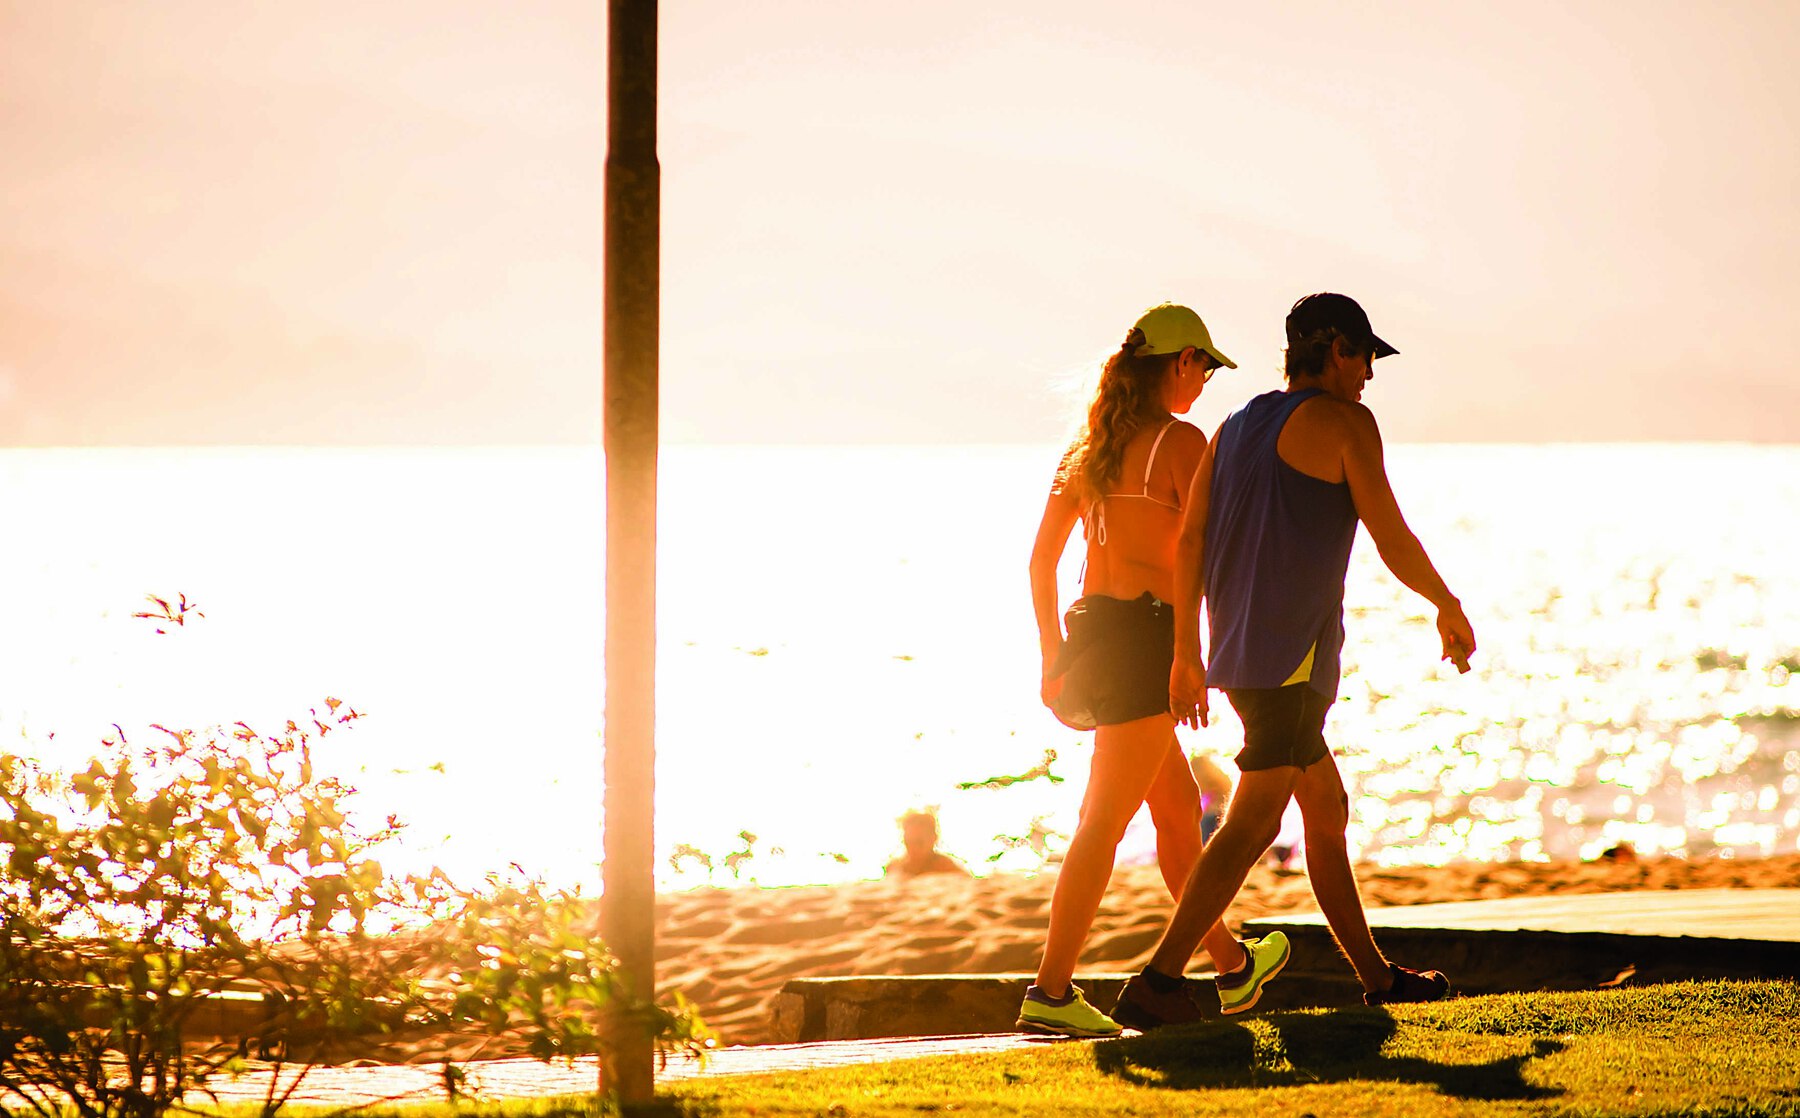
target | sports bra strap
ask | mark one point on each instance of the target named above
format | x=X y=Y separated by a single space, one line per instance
x=1094 y=516
x=1150 y=463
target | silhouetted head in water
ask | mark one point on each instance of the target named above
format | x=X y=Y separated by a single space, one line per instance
x=919 y=834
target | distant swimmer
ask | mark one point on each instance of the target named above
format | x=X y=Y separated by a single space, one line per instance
x=919 y=836
x=1126 y=479
x=1265 y=540
x=1215 y=792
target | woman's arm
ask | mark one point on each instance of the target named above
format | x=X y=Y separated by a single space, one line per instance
x=1060 y=514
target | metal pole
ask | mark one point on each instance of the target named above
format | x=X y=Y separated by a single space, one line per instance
x=633 y=219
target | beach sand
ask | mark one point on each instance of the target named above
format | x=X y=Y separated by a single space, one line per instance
x=730 y=950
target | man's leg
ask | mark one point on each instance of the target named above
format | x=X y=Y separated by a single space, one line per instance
x=1251 y=824
x=1326 y=810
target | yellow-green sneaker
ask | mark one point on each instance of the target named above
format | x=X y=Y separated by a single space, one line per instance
x=1240 y=989
x=1038 y=1014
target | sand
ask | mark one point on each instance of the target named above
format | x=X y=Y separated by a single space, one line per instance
x=730 y=950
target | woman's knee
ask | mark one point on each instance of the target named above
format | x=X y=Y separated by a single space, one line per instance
x=1103 y=823
x=1173 y=805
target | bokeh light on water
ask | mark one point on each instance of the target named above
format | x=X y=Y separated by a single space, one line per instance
x=1639 y=614
x=1638 y=611
x=846 y=634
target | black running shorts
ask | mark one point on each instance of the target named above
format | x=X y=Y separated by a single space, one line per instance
x=1115 y=663
x=1282 y=725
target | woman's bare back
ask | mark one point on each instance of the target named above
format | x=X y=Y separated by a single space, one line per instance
x=1131 y=532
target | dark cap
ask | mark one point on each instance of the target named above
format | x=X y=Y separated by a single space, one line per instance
x=1330 y=311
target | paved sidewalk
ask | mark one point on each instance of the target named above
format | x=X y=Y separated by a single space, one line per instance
x=1725 y=915
x=526 y=1078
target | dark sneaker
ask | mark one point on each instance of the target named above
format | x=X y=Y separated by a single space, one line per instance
x=1142 y=1008
x=1241 y=989
x=1074 y=1017
x=1410 y=986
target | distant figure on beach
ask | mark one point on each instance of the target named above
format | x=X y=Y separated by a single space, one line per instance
x=1125 y=478
x=1215 y=792
x=919 y=834
x=1266 y=539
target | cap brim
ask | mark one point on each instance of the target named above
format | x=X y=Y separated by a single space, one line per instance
x=1382 y=349
x=1219 y=357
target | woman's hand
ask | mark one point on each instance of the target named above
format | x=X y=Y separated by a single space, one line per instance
x=1050 y=686
x=1187 y=690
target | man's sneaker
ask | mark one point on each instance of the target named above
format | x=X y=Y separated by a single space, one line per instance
x=1410 y=986
x=1142 y=1008
x=1241 y=989
x=1075 y=1017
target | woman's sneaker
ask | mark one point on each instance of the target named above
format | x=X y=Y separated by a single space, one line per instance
x=1410 y=986
x=1072 y=1016
x=1265 y=957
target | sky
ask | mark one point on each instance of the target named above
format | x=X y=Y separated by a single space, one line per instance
x=338 y=223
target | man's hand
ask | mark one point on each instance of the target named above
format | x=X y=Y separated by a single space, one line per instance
x=1457 y=634
x=1187 y=691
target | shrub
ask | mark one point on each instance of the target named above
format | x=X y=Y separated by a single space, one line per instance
x=164 y=883
x=216 y=874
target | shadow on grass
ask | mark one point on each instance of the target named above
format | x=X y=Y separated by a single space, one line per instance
x=1305 y=1048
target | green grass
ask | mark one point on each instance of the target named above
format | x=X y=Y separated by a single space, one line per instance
x=1716 y=1048
x=1693 y=1048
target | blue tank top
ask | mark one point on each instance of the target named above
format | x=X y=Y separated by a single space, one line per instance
x=1277 y=548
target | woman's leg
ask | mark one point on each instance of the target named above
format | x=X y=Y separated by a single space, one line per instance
x=1251 y=824
x=1174 y=801
x=1127 y=758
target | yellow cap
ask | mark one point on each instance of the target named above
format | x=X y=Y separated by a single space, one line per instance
x=1171 y=328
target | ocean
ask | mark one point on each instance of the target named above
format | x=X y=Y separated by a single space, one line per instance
x=846 y=634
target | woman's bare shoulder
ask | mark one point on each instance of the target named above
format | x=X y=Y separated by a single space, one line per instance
x=1183 y=446
x=1185 y=430
x=1185 y=439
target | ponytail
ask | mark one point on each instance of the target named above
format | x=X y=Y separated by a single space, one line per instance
x=1128 y=399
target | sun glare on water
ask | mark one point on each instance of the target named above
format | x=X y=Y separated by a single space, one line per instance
x=846 y=634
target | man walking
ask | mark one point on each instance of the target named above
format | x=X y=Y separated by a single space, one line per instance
x=1266 y=540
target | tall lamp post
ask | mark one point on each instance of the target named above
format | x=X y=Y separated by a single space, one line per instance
x=633 y=219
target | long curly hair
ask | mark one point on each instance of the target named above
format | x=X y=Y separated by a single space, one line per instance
x=1128 y=399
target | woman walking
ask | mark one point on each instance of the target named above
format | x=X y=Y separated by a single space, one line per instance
x=1126 y=479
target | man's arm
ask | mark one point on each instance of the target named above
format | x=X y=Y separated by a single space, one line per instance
x=1365 y=469
x=1187 y=679
x=1060 y=514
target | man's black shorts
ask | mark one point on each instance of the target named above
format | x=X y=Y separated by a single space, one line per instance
x=1282 y=725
